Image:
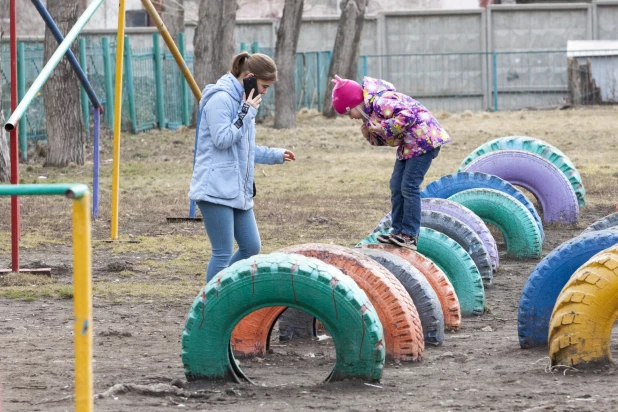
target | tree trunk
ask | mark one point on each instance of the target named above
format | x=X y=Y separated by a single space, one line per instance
x=173 y=15
x=285 y=56
x=347 y=48
x=61 y=94
x=213 y=43
x=5 y=158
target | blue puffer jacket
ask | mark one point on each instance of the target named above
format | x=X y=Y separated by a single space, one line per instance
x=226 y=150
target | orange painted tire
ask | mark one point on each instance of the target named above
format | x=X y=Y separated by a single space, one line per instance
x=436 y=278
x=403 y=333
x=251 y=335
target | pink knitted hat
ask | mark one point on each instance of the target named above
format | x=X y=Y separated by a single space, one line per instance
x=347 y=94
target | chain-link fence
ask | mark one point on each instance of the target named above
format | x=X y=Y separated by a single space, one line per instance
x=447 y=81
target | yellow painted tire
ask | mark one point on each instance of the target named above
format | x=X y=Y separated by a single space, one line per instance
x=585 y=313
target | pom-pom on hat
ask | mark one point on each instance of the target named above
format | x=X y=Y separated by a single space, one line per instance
x=347 y=94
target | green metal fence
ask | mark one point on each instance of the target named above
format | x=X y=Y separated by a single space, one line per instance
x=155 y=93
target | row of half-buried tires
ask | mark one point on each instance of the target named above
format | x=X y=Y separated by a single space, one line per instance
x=349 y=291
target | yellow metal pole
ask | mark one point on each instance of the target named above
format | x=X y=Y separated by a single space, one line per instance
x=172 y=46
x=82 y=298
x=117 y=120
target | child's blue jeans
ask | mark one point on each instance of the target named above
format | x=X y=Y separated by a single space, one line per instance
x=224 y=224
x=405 y=186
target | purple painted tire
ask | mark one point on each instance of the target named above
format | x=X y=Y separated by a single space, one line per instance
x=469 y=218
x=548 y=184
x=461 y=213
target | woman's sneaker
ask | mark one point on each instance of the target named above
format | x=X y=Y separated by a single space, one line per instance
x=385 y=238
x=409 y=242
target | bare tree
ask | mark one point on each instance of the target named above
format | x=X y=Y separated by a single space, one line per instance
x=285 y=56
x=173 y=16
x=213 y=43
x=61 y=93
x=5 y=158
x=347 y=47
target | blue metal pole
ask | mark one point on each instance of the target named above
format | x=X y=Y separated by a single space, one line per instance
x=51 y=25
x=95 y=182
x=197 y=130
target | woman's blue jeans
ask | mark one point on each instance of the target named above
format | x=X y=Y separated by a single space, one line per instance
x=405 y=187
x=224 y=224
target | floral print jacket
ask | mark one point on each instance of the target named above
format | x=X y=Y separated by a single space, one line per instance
x=405 y=122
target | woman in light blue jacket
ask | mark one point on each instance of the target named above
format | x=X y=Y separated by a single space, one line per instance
x=222 y=184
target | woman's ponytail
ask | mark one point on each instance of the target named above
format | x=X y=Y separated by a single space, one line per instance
x=238 y=63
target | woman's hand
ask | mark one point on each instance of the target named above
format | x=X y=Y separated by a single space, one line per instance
x=253 y=101
x=288 y=156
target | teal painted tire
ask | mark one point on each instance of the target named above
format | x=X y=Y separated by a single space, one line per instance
x=282 y=279
x=455 y=262
x=538 y=147
x=521 y=234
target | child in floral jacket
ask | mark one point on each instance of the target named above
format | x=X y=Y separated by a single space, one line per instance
x=394 y=119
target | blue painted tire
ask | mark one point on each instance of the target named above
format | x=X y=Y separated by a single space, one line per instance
x=546 y=281
x=449 y=185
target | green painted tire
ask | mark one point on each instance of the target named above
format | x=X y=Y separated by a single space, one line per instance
x=538 y=147
x=282 y=279
x=455 y=262
x=520 y=231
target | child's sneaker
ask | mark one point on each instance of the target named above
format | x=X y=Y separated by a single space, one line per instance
x=385 y=238
x=406 y=241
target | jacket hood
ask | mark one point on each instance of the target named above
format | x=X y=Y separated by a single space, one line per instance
x=228 y=83
x=373 y=88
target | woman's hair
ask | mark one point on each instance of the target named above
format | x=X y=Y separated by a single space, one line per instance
x=262 y=66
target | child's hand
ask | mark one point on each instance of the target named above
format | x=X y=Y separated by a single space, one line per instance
x=375 y=128
x=364 y=131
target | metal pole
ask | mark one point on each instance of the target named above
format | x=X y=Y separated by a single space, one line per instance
x=82 y=302
x=95 y=160
x=117 y=119
x=128 y=67
x=51 y=65
x=158 y=71
x=154 y=15
x=53 y=28
x=13 y=149
x=495 y=64
x=185 y=92
x=109 y=89
x=21 y=91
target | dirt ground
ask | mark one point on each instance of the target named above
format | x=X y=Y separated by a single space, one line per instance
x=336 y=192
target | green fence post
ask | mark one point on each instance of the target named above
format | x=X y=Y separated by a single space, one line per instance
x=109 y=88
x=255 y=47
x=84 y=95
x=21 y=92
x=319 y=66
x=243 y=47
x=128 y=71
x=183 y=82
x=158 y=71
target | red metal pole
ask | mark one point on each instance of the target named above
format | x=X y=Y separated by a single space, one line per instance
x=14 y=146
